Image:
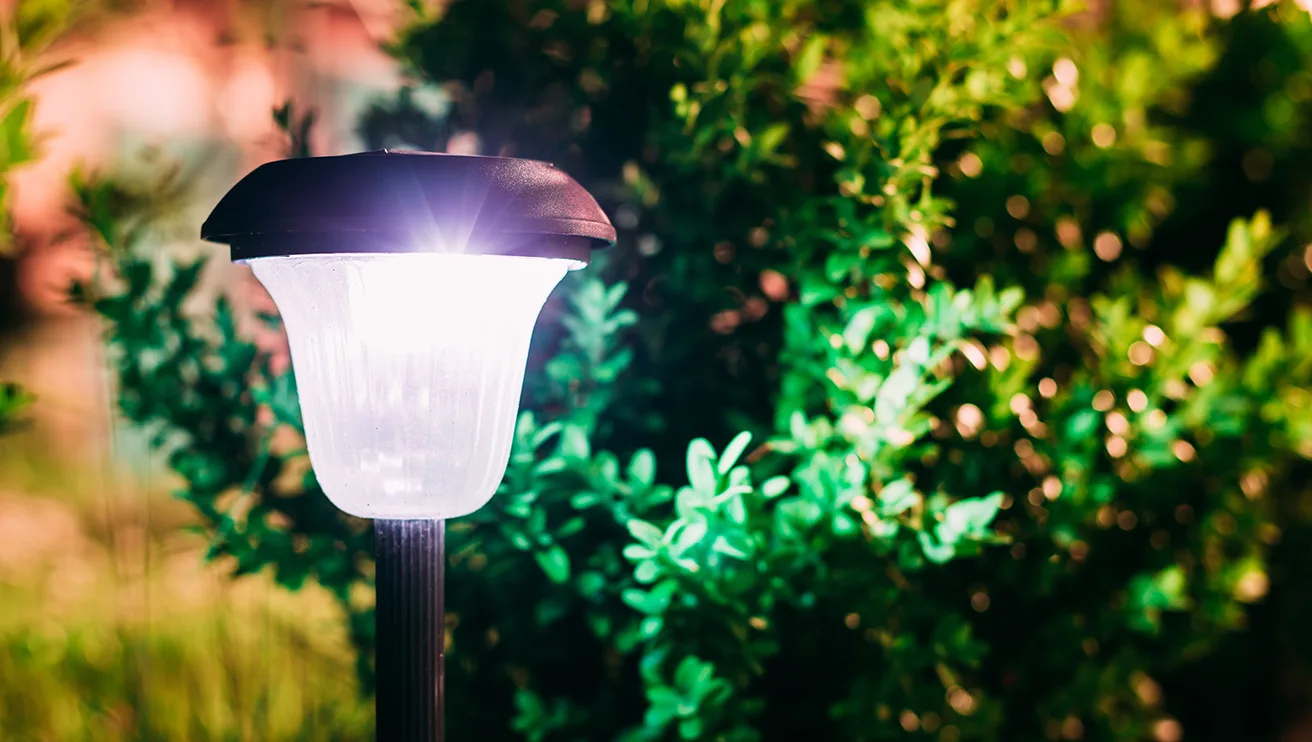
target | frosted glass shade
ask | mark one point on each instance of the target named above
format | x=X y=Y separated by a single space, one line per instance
x=409 y=369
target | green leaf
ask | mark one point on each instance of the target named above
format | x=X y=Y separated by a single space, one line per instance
x=895 y=393
x=936 y=552
x=651 y=626
x=574 y=443
x=722 y=545
x=897 y=497
x=645 y=532
x=637 y=552
x=584 y=500
x=15 y=134
x=775 y=486
x=1082 y=424
x=733 y=451
x=642 y=467
x=770 y=139
x=701 y=469
x=615 y=294
x=968 y=518
x=543 y=434
x=550 y=465
x=812 y=55
x=635 y=599
x=689 y=534
x=647 y=572
x=859 y=328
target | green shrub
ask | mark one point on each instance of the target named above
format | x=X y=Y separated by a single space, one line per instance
x=959 y=268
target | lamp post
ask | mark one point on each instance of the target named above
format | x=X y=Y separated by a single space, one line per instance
x=409 y=284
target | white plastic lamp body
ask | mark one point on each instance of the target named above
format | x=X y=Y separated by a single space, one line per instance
x=409 y=369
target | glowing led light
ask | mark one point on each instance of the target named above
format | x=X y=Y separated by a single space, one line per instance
x=1103 y=400
x=409 y=369
x=1066 y=72
x=1137 y=400
x=1140 y=353
x=1107 y=246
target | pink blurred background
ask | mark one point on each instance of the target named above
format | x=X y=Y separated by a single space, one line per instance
x=193 y=82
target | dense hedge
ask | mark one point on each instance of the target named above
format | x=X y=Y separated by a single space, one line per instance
x=993 y=429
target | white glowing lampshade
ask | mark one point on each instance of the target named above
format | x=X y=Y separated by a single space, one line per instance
x=409 y=283
x=409 y=369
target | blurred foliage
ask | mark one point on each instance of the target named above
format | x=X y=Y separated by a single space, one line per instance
x=27 y=31
x=189 y=386
x=114 y=631
x=208 y=678
x=986 y=280
x=12 y=401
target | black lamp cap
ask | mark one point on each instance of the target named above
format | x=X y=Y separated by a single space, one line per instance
x=409 y=202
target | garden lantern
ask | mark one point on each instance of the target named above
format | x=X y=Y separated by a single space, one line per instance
x=409 y=284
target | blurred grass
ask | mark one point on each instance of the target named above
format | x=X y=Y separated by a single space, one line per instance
x=113 y=629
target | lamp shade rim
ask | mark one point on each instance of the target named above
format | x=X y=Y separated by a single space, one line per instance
x=398 y=201
x=298 y=244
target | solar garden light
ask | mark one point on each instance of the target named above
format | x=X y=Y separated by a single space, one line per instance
x=409 y=284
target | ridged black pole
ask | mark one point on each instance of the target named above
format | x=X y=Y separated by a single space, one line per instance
x=410 y=642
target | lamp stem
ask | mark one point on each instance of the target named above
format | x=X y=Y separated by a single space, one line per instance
x=410 y=630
